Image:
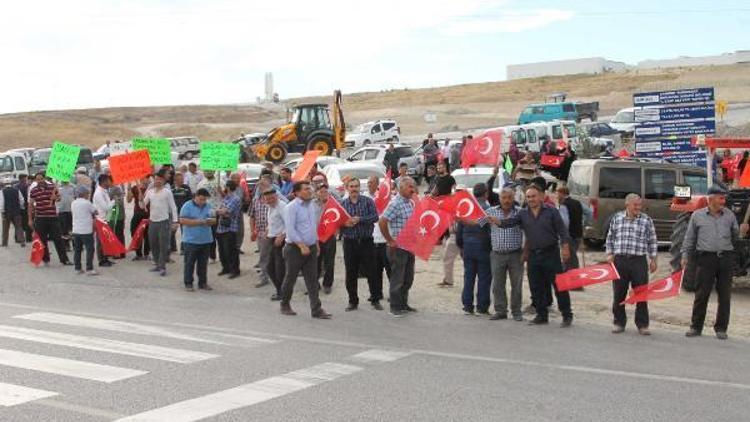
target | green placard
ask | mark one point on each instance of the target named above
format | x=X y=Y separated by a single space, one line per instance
x=158 y=149
x=62 y=161
x=219 y=156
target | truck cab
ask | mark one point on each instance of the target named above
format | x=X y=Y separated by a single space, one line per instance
x=12 y=165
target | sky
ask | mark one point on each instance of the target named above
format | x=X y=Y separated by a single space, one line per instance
x=104 y=53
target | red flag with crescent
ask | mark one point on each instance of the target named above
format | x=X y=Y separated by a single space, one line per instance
x=331 y=219
x=37 y=250
x=111 y=245
x=659 y=289
x=138 y=235
x=423 y=230
x=466 y=206
x=482 y=149
x=580 y=277
x=383 y=195
x=554 y=161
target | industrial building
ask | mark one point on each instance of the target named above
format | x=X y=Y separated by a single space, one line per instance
x=740 y=56
x=591 y=65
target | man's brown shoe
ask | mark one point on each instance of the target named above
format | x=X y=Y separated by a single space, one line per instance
x=322 y=314
x=287 y=310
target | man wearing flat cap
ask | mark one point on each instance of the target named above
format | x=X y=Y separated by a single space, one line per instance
x=711 y=234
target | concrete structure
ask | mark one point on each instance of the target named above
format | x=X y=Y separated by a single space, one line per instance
x=269 y=87
x=591 y=65
x=740 y=56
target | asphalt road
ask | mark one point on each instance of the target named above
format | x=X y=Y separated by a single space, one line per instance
x=128 y=345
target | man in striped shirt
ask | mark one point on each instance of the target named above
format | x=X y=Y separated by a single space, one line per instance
x=43 y=217
x=358 y=244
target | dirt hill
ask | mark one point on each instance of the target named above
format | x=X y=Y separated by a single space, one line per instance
x=456 y=107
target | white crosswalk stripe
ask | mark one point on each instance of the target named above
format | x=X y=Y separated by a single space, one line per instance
x=66 y=367
x=110 y=325
x=260 y=391
x=11 y=395
x=105 y=345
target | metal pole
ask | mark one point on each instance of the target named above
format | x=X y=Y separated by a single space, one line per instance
x=709 y=167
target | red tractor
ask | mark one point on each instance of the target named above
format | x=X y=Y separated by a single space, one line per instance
x=684 y=203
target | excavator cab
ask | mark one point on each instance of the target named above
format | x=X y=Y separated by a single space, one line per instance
x=308 y=127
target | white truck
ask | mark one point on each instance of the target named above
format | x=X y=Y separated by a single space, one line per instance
x=12 y=165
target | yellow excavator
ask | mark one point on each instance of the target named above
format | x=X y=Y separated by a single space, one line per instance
x=309 y=127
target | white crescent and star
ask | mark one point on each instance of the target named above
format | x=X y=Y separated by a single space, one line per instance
x=489 y=144
x=669 y=283
x=602 y=273
x=470 y=208
x=335 y=212
x=435 y=217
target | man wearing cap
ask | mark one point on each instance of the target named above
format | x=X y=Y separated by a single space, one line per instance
x=711 y=234
x=12 y=204
x=259 y=230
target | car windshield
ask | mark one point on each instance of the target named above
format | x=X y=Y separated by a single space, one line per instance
x=469 y=180
x=41 y=157
x=360 y=173
x=6 y=163
x=85 y=156
x=624 y=117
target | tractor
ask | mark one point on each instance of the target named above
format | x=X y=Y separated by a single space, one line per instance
x=685 y=204
x=309 y=127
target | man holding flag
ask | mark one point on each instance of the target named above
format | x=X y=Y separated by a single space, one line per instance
x=631 y=247
x=711 y=233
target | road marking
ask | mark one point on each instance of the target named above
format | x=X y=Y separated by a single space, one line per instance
x=245 y=395
x=109 y=325
x=11 y=395
x=66 y=367
x=105 y=345
x=261 y=391
x=85 y=410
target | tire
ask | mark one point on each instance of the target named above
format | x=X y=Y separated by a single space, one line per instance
x=276 y=153
x=689 y=279
x=324 y=145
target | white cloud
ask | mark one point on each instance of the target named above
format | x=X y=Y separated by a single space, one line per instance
x=83 y=53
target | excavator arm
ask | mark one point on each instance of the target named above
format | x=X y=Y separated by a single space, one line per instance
x=339 y=126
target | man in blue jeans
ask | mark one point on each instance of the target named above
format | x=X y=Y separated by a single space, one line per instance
x=82 y=228
x=196 y=218
x=474 y=243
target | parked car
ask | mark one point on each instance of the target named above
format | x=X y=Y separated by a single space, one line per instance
x=466 y=180
x=385 y=130
x=321 y=161
x=624 y=121
x=602 y=184
x=40 y=159
x=186 y=146
x=12 y=165
x=548 y=112
x=252 y=174
x=361 y=170
x=376 y=153
x=27 y=152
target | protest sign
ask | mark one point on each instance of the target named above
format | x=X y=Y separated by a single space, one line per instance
x=308 y=161
x=62 y=161
x=219 y=156
x=158 y=149
x=128 y=167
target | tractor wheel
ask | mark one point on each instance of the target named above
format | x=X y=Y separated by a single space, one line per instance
x=276 y=153
x=689 y=281
x=321 y=144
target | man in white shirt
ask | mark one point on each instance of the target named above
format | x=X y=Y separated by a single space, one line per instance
x=380 y=254
x=162 y=220
x=103 y=204
x=193 y=177
x=83 y=212
x=276 y=233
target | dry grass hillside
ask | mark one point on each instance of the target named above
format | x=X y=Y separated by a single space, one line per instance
x=456 y=107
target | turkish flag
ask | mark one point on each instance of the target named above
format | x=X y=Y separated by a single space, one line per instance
x=383 y=195
x=482 y=149
x=423 y=229
x=138 y=235
x=659 y=289
x=111 y=245
x=554 y=161
x=462 y=204
x=243 y=185
x=623 y=153
x=580 y=277
x=37 y=250
x=446 y=203
x=332 y=217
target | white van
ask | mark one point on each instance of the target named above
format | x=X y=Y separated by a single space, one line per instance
x=624 y=120
x=12 y=165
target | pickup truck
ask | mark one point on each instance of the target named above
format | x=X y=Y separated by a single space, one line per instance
x=547 y=112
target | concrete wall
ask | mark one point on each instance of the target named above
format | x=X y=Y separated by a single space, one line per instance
x=589 y=65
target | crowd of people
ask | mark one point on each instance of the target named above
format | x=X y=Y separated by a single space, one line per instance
x=204 y=216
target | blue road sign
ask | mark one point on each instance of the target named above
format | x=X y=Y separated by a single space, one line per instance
x=655 y=130
x=682 y=96
x=665 y=146
x=664 y=114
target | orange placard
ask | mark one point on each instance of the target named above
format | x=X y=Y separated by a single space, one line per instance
x=131 y=166
x=308 y=161
x=745 y=177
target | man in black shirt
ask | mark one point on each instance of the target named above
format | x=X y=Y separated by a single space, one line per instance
x=182 y=194
x=575 y=224
x=444 y=182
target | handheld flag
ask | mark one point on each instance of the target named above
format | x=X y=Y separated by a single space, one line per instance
x=424 y=228
x=111 y=245
x=37 y=250
x=483 y=149
x=659 y=289
x=331 y=219
x=580 y=277
x=138 y=235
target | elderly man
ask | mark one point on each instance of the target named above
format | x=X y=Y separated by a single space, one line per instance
x=12 y=204
x=631 y=242
x=506 y=260
x=380 y=256
x=301 y=219
x=711 y=234
x=358 y=244
x=259 y=229
x=391 y=223
x=163 y=219
x=545 y=232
